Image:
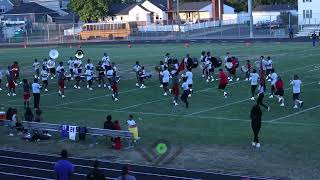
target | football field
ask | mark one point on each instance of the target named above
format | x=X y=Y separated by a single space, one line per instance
x=214 y=132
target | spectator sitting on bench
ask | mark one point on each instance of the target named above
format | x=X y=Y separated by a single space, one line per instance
x=117 y=140
x=108 y=124
x=28 y=115
x=15 y=123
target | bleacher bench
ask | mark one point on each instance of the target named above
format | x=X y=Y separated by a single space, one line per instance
x=56 y=128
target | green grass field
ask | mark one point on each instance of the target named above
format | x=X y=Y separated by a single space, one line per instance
x=214 y=132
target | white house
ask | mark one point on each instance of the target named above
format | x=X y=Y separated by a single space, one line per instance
x=264 y=13
x=159 y=8
x=129 y=13
x=309 y=12
x=5 y=5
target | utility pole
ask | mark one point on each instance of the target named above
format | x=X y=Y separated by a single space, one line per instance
x=178 y=16
x=251 y=18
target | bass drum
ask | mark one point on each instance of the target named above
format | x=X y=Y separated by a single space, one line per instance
x=216 y=61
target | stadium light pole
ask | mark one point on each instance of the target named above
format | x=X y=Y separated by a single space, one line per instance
x=178 y=16
x=251 y=18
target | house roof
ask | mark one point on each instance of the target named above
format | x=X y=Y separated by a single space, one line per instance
x=161 y=4
x=123 y=9
x=279 y=7
x=191 y=6
x=32 y=7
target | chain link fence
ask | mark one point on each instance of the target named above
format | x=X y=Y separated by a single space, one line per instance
x=233 y=26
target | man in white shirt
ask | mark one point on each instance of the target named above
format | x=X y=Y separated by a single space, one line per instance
x=269 y=67
x=88 y=73
x=36 y=93
x=209 y=68
x=59 y=67
x=263 y=63
x=254 y=78
x=71 y=66
x=165 y=79
x=51 y=64
x=89 y=64
x=166 y=58
x=109 y=74
x=274 y=78
x=203 y=62
x=36 y=66
x=296 y=88
x=137 y=68
x=189 y=81
x=44 y=78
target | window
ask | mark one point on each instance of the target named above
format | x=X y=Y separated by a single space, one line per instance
x=307 y=0
x=157 y=16
x=121 y=18
x=307 y=14
x=137 y=17
x=2 y=9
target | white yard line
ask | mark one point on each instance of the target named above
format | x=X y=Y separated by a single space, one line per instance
x=296 y=113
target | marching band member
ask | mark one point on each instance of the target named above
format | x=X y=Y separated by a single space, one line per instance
x=233 y=70
x=165 y=79
x=114 y=86
x=80 y=66
x=11 y=84
x=248 y=65
x=189 y=76
x=15 y=69
x=36 y=66
x=105 y=59
x=44 y=77
x=141 y=75
x=279 y=90
x=269 y=67
x=100 y=71
x=175 y=89
x=223 y=82
x=88 y=73
x=203 y=61
x=137 y=68
x=263 y=65
x=113 y=66
x=26 y=93
x=296 y=88
x=52 y=67
x=71 y=66
x=261 y=90
x=109 y=75
x=61 y=79
x=185 y=94
x=89 y=64
x=254 y=76
x=228 y=56
x=166 y=58
x=77 y=76
x=188 y=61
x=59 y=67
x=209 y=68
x=274 y=78
x=160 y=73
x=45 y=63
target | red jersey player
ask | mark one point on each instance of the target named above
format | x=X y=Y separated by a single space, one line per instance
x=223 y=82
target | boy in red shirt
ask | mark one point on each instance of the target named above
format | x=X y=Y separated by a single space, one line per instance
x=175 y=89
x=11 y=84
x=15 y=71
x=279 y=90
x=223 y=82
x=233 y=71
x=114 y=86
x=61 y=79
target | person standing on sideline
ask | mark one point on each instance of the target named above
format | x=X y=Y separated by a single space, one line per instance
x=314 y=39
x=290 y=32
x=63 y=168
x=96 y=173
x=255 y=116
x=36 y=93
x=125 y=174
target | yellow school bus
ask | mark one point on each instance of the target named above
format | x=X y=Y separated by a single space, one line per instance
x=105 y=31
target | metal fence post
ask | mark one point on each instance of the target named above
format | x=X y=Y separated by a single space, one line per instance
x=48 y=33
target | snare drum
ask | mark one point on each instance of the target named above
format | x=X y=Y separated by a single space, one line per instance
x=2 y=115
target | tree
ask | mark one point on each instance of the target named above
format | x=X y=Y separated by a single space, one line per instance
x=89 y=10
